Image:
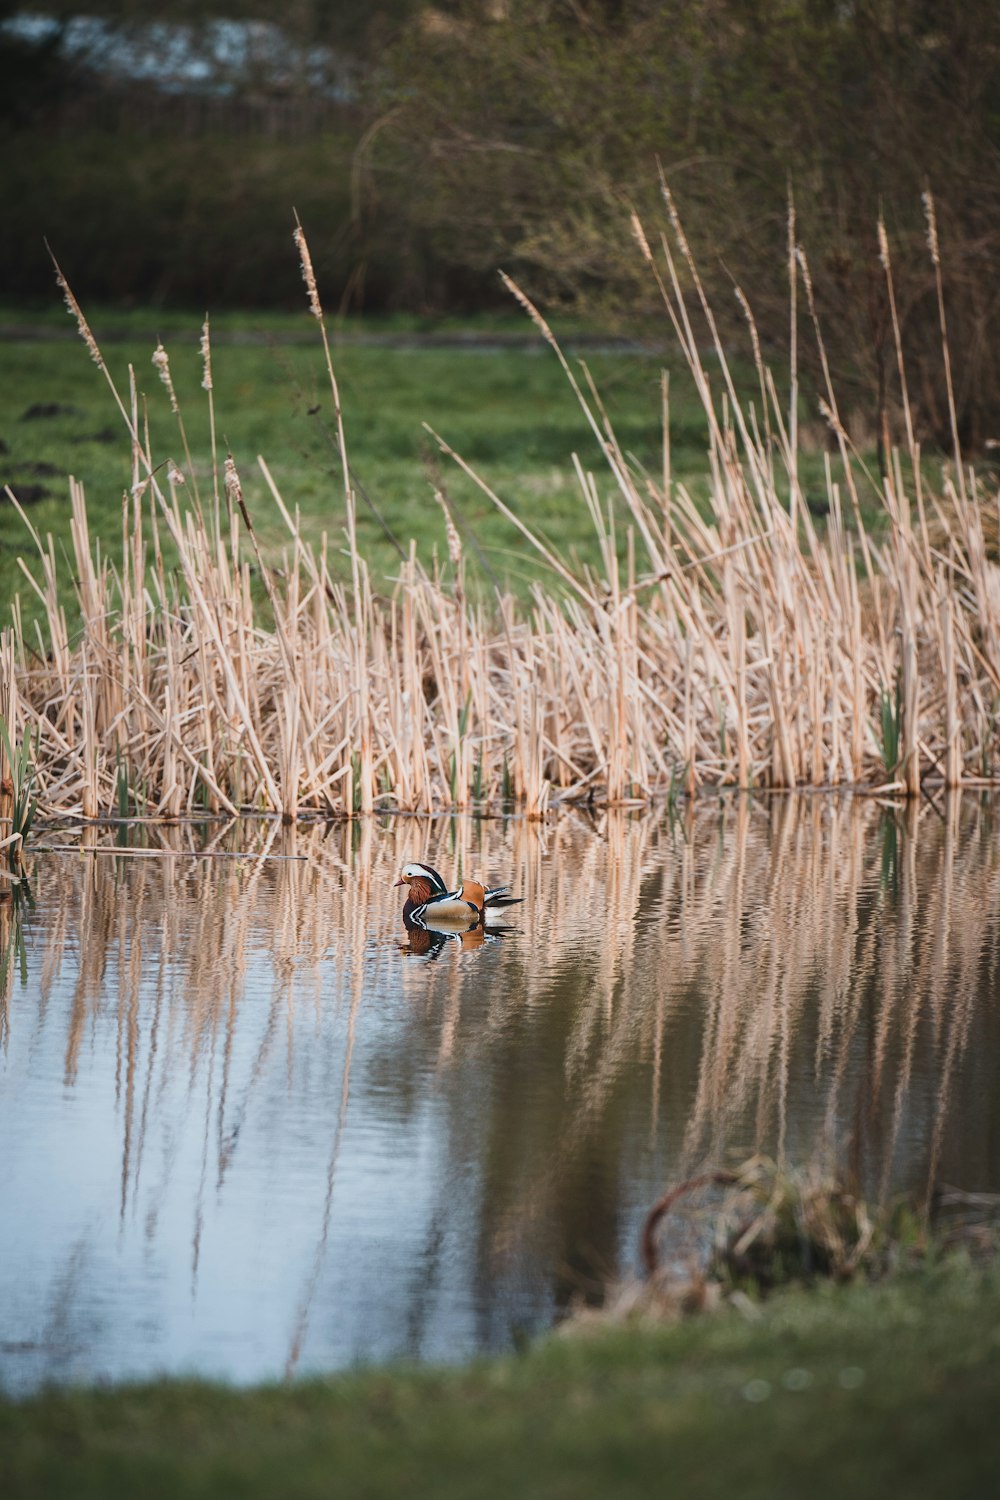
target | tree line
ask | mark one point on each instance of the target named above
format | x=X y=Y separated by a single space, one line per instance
x=437 y=143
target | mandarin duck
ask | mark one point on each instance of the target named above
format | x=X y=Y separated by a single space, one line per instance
x=431 y=906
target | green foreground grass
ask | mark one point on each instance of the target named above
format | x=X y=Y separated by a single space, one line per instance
x=862 y=1392
x=508 y=411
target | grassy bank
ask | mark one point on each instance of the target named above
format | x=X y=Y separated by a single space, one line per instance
x=866 y=1391
x=508 y=410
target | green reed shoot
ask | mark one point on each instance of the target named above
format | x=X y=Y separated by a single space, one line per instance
x=121 y=786
x=21 y=762
x=890 y=718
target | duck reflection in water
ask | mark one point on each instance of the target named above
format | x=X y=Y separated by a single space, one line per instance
x=426 y=943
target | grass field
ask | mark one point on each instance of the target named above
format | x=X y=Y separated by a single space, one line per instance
x=507 y=410
x=866 y=1392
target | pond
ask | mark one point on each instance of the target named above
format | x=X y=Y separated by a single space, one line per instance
x=247 y=1130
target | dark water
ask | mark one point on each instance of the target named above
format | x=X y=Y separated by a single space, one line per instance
x=245 y=1132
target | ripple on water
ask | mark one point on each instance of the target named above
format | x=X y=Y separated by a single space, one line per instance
x=248 y=1131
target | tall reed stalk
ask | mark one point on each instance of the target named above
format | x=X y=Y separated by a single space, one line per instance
x=732 y=645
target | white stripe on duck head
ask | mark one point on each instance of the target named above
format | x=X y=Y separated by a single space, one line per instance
x=416 y=873
x=424 y=882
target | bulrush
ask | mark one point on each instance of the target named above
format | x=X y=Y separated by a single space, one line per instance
x=723 y=641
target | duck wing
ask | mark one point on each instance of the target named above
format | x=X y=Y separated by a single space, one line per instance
x=499 y=896
x=448 y=909
x=498 y=899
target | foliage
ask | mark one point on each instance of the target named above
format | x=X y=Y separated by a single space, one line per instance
x=185 y=217
x=526 y=136
x=424 y=146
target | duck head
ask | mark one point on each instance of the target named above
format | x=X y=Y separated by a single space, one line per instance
x=424 y=882
x=422 y=875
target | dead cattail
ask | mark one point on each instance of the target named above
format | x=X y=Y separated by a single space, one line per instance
x=206 y=357
x=231 y=479
x=930 y=214
x=162 y=362
x=81 y=322
x=883 y=244
x=719 y=644
x=308 y=274
x=451 y=531
x=640 y=237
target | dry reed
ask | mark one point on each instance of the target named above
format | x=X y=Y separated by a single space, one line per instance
x=732 y=646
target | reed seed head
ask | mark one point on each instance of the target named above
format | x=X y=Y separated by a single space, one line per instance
x=81 y=322
x=162 y=362
x=883 y=244
x=800 y=256
x=751 y=323
x=231 y=479
x=930 y=213
x=206 y=357
x=454 y=540
x=640 y=237
x=308 y=274
x=525 y=301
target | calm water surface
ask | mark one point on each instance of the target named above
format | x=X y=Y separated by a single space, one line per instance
x=246 y=1131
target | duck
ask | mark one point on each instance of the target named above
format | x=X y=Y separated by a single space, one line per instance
x=430 y=904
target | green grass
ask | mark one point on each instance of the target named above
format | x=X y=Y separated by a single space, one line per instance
x=508 y=411
x=865 y=1392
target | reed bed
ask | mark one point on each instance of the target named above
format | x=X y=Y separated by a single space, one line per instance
x=719 y=644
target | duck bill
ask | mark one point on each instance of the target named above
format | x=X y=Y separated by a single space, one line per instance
x=400 y=881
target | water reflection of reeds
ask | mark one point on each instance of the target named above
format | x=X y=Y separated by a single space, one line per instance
x=804 y=976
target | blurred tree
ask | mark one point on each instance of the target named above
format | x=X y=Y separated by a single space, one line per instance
x=161 y=151
x=33 y=74
x=521 y=133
